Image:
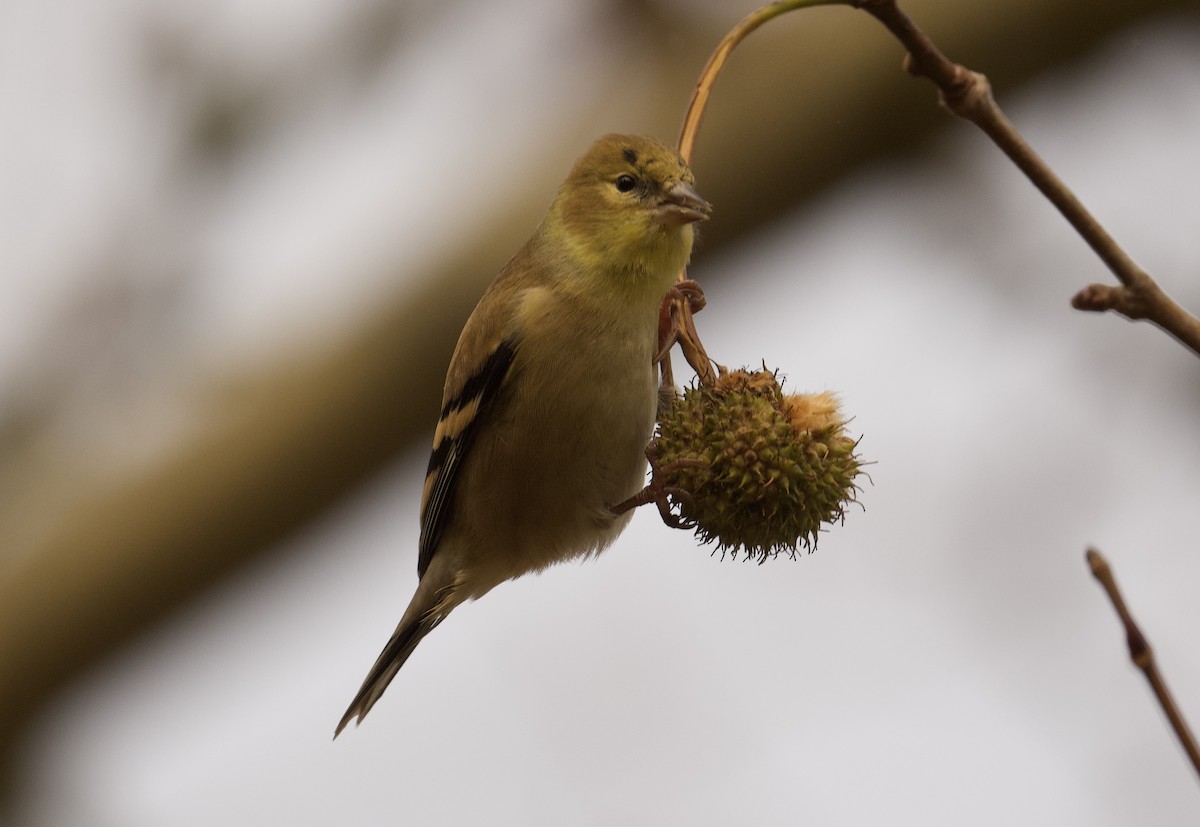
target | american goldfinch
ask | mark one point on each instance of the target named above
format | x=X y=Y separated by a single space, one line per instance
x=551 y=393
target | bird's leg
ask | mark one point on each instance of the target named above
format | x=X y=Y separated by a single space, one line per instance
x=658 y=492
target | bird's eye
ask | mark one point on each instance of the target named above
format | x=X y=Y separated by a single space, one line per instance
x=625 y=183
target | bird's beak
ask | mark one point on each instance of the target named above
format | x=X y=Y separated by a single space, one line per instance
x=681 y=204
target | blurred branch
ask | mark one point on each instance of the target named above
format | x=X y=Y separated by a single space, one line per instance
x=1143 y=656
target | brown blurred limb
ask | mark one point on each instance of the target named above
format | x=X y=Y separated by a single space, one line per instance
x=1142 y=655
x=968 y=94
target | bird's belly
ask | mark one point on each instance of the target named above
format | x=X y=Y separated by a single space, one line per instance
x=566 y=471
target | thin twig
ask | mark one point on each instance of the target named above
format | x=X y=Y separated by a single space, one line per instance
x=1143 y=656
x=968 y=95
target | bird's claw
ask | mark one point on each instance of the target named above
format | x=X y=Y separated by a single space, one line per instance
x=671 y=324
x=659 y=493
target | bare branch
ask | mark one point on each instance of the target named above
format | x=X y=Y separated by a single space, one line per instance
x=1143 y=656
x=968 y=95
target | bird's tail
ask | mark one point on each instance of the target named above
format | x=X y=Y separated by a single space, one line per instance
x=424 y=613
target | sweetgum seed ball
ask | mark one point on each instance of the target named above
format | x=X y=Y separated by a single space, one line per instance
x=764 y=470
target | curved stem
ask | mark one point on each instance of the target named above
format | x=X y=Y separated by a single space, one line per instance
x=716 y=61
x=688 y=338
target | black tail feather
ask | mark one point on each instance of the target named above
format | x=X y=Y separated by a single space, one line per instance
x=393 y=656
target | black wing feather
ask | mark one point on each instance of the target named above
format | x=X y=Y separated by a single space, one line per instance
x=446 y=460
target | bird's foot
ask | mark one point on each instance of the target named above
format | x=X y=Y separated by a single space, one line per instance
x=671 y=321
x=659 y=493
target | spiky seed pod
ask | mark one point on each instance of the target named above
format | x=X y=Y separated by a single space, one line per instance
x=763 y=470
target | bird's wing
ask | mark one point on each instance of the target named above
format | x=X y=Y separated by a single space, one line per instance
x=464 y=408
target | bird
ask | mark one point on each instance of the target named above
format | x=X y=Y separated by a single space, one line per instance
x=551 y=394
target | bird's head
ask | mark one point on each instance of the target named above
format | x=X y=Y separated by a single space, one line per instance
x=629 y=203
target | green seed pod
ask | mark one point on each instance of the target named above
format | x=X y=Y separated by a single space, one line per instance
x=762 y=470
